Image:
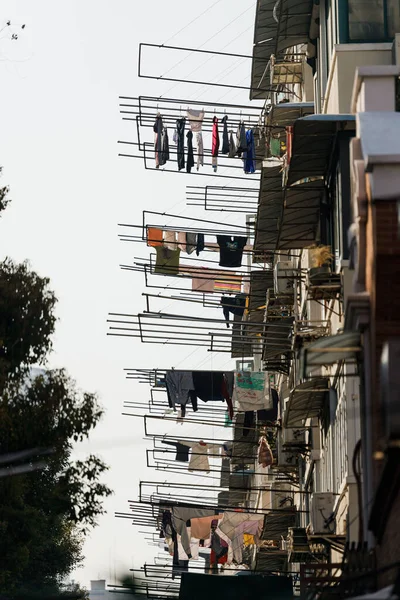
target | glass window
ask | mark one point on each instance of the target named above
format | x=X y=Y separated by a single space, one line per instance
x=393 y=17
x=366 y=20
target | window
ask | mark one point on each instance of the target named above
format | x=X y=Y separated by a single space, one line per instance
x=372 y=20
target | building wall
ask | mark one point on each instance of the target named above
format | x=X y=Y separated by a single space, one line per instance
x=346 y=58
x=383 y=283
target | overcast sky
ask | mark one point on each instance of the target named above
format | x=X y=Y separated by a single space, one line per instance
x=59 y=124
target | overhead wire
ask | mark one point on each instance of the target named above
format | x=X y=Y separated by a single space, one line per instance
x=200 y=47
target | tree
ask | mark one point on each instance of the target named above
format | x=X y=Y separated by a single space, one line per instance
x=45 y=514
x=27 y=319
x=4 y=200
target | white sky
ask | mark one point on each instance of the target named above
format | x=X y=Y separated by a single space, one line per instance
x=59 y=124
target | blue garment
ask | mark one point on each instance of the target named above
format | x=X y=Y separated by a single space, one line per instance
x=249 y=157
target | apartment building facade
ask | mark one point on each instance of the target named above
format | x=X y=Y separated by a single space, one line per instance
x=328 y=227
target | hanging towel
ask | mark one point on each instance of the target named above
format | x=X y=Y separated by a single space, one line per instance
x=190 y=157
x=195 y=118
x=158 y=127
x=225 y=137
x=200 y=149
x=154 y=237
x=249 y=162
x=251 y=391
x=180 y=141
x=182 y=241
x=232 y=147
x=203 y=283
x=170 y=240
x=241 y=142
x=215 y=144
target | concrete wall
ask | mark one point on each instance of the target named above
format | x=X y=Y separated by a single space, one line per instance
x=346 y=58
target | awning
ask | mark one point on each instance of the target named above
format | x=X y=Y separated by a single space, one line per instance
x=285 y=114
x=277 y=337
x=270 y=202
x=278 y=26
x=260 y=282
x=313 y=144
x=246 y=332
x=276 y=524
x=300 y=215
x=306 y=401
x=331 y=349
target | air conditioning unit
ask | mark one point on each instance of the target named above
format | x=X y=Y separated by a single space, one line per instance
x=286 y=458
x=284 y=272
x=282 y=496
x=294 y=437
x=322 y=520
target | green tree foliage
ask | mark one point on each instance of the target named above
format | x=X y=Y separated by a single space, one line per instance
x=4 y=200
x=27 y=319
x=44 y=514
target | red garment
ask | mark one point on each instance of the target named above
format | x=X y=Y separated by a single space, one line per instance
x=220 y=561
x=215 y=138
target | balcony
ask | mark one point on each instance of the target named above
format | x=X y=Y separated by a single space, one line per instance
x=274 y=32
x=306 y=331
x=288 y=71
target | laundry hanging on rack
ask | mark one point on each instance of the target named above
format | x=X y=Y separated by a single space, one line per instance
x=225 y=137
x=167 y=261
x=190 y=156
x=201 y=526
x=231 y=250
x=158 y=128
x=203 y=283
x=236 y=524
x=251 y=391
x=191 y=242
x=208 y=385
x=195 y=118
x=200 y=149
x=230 y=285
x=154 y=237
x=182 y=452
x=182 y=241
x=180 y=516
x=232 y=147
x=200 y=243
x=265 y=457
x=209 y=280
x=241 y=142
x=249 y=157
x=234 y=306
x=179 y=385
x=199 y=455
x=164 y=155
x=180 y=142
x=170 y=239
x=215 y=144
x=272 y=413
